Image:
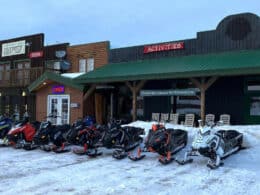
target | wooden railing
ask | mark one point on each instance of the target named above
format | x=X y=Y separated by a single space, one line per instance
x=19 y=77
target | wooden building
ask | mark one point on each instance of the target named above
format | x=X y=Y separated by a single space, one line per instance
x=58 y=94
x=22 y=61
x=216 y=72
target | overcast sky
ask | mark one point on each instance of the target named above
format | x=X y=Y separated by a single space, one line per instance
x=122 y=22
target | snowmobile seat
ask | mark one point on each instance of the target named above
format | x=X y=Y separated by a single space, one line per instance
x=178 y=132
x=227 y=134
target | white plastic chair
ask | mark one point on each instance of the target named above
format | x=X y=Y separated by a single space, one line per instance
x=174 y=118
x=189 y=120
x=225 y=119
x=210 y=118
x=164 y=117
x=156 y=117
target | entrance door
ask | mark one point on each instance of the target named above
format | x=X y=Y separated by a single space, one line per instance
x=58 y=105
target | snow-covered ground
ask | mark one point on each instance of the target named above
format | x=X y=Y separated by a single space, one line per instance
x=39 y=172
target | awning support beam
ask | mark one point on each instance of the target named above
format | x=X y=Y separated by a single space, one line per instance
x=89 y=92
x=135 y=88
x=203 y=85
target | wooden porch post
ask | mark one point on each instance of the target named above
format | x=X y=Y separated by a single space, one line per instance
x=135 y=89
x=203 y=86
x=89 y=92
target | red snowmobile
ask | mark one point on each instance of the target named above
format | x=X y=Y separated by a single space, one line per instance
x=21 y=135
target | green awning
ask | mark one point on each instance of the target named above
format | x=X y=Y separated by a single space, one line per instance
x=243 y=62
x=50 y=76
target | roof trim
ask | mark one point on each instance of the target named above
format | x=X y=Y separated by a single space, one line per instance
x=243 y=62
x=54 y=77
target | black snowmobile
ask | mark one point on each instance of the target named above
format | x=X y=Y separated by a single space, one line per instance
x=51 y=137
x=215 y=146
x=72 y=135
x=122 y=139
x=88 y=137
x=165 y=142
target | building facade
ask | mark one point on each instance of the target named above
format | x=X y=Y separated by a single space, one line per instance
x=22 y=61
x=216 y=72
x=57 y=94
x=234 y=95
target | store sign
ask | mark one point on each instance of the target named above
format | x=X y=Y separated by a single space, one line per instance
x=13 y=48
x=170 y=92
x=58 y=89
x=36 y=54
x=163 y=47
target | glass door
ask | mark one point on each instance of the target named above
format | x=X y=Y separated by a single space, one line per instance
x=58 y=106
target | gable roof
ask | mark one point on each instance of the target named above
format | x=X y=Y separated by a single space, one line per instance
x=50 y=76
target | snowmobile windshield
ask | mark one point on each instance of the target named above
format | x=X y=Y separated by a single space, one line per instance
x=45 y=124
x=204 y=132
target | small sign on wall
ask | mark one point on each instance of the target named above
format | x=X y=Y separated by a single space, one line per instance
x=36 y=54
x=58 y=89
x=74 y=105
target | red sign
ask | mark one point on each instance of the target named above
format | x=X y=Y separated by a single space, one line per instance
x=36 y=54
x=58 y=89
x=163 y=47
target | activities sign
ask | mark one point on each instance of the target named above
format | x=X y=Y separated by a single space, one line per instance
x=163 y=47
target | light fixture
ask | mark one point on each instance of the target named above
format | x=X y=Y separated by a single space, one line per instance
x=0 y=94
x=44 y=83
x=23 y=93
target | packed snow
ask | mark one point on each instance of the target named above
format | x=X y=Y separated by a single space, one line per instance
x=39 y=172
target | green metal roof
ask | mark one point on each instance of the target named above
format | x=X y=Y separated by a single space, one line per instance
x=54 y=77
x=215 y=64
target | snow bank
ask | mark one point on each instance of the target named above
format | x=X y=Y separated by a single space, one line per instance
x=39 y=172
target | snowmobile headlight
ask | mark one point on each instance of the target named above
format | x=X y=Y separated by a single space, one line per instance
x=43 y=137
x=15 y=135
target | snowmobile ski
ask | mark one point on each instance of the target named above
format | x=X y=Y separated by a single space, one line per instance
x=79 y=151
x=136 y=158
x=119 y=154
x=94 y=153
x=183 y=162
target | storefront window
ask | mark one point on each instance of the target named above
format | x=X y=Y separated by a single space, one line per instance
x=255 y=106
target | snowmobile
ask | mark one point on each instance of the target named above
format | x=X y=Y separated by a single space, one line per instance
x=5 y=126
x=88 y=137
x=21 y=135
x=80 y=124
x=165 y=142
x=216 y=146
x=122 y=139
x=113 y=136
x=51 y=137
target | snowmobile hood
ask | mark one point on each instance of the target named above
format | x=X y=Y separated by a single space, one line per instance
x=16 y=130
x=204 y=130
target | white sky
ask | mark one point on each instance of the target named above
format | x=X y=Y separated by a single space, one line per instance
x=123 y=23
